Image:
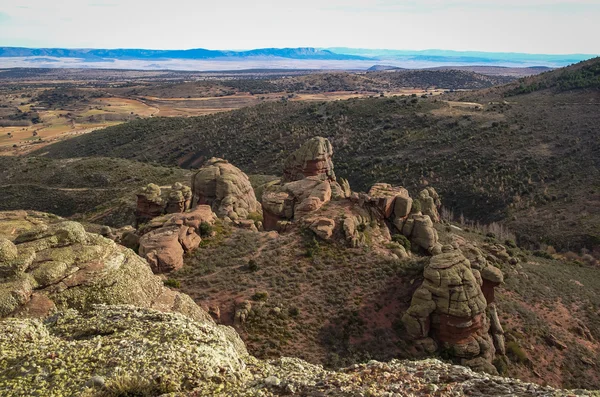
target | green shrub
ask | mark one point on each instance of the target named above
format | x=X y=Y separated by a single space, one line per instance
x=171 y=282
x=255 y=216
x=205 y=229
x=252 y=265
x=312 y=248
x=294 y=311
x=402 y=240
x=542 y=254
x=260 y=296
x=516 y=353
x=416 y=206
x=510 y=243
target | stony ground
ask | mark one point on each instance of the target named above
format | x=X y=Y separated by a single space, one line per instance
x=123 y=350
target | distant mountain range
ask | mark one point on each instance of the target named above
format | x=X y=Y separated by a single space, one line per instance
x=197 y=53
x=466 y=57
x=272 y=58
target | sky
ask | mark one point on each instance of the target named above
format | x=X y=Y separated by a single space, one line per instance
x=530 y=26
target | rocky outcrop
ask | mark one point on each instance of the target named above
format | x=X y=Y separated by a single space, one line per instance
x=149 y=204
x=309 y=184
x=50 y=264
x=165 y=239
x=114 y=347
x=179 y=199
x=313 y=158
x=70 y=350
x=225 y=188
x=420 y=231
x=430 y=202
x=451 y=309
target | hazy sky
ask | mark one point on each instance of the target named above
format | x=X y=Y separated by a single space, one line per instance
x=535 y=26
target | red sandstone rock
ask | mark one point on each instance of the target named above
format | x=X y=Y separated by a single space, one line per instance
x=162 y=249
x=313 y=158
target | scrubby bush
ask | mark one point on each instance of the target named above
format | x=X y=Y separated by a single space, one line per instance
x=402 y=240
x=252 y=265
x=172 y=283
x=205 y=229
x=510 y=243
x=542 y=254
x=260 y=296
x=294 y=311
x=312 y=248
x=516 y=353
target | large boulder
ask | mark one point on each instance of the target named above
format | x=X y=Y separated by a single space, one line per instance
x=313 y=158
x=71 y=350
x=293 y=200
x=58 y=265
x=383 y=197
x=225 y=188
x=450 y=307
x=165 y=239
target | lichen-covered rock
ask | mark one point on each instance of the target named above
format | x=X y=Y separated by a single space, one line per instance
x=8 y=251
x=225 y=188
x=179 y=199
x=61 y=266
x=59 y=355
x=419 y=229
x=313 y=158
x=430 y=202
x=451 y=307
x=149 y=204
x=88 y=353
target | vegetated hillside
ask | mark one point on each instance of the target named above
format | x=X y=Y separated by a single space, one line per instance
x=330 y=304
x=448 y=79
x=323 y=82
x=95 y=189
x=585 y=74
x=532 y=161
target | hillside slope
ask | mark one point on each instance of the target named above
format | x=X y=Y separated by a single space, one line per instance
x=94 y=189
x=532 y=161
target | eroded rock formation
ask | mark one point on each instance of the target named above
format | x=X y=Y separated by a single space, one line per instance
x=313 y=158
x=225 y=188
x=450 y=311
x=165 y=239
x=309 y=185
x=151 y=202
x=48 y=263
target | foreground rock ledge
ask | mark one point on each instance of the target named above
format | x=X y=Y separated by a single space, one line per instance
x=73 y=353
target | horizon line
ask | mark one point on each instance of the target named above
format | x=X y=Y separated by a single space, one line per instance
x=330 y=48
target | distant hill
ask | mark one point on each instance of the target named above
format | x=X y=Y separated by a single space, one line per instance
x=197 y=53
x=467 y=57
x=376 y=68
x=582 y=75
